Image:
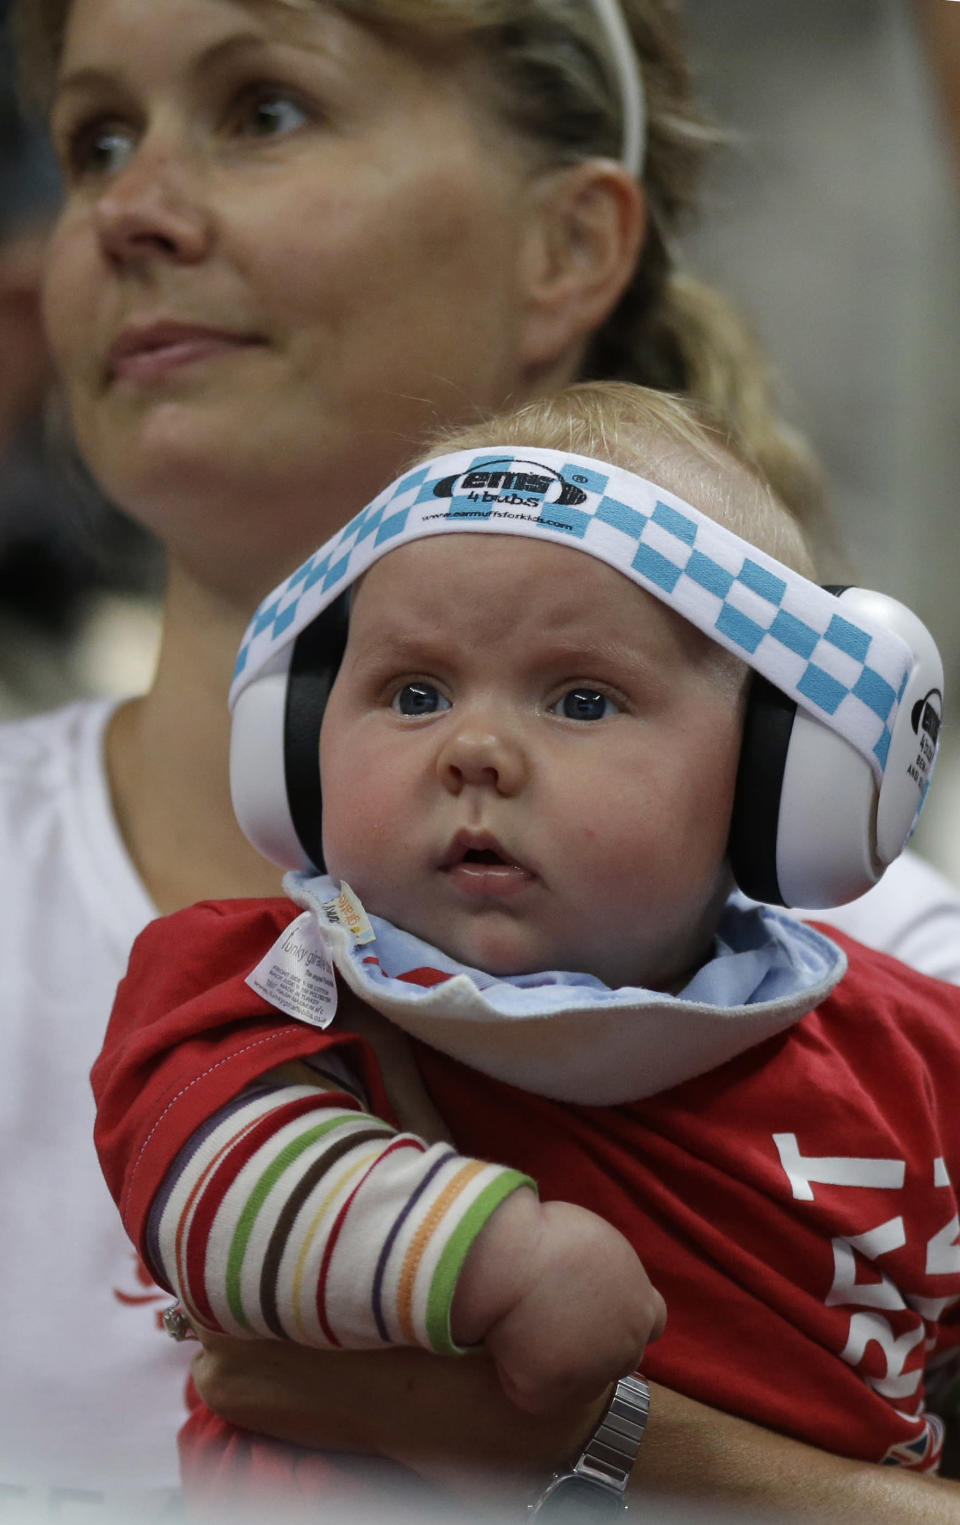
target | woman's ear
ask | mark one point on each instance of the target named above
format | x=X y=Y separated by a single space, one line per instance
x=579 y=253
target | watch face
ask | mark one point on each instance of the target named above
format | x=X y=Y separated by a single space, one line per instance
x=578 y=1501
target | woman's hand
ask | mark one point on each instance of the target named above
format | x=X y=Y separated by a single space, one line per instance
x=448 y=1421
x=445 y=1419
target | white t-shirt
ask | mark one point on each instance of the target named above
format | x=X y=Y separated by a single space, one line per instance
x=913 y=913
x=91 y=1395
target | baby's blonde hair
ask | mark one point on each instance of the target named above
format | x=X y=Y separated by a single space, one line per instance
x=668 y=439
x=549 y=78
x=672 y=442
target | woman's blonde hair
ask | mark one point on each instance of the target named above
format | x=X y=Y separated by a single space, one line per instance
x=553 y=83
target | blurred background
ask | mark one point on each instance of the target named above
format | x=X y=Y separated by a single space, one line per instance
x=833 y=218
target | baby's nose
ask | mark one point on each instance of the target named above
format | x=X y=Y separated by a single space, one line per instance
x=482 y=756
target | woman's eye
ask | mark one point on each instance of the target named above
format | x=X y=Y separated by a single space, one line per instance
x=419 y=699
x=585 y=704
x=101 y=148
x=272 y=115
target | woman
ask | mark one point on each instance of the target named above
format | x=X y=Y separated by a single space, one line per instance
x=295 y=237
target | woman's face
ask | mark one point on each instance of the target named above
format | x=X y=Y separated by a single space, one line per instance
x=289 y=248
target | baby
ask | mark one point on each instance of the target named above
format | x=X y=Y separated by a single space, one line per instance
x=528 y=765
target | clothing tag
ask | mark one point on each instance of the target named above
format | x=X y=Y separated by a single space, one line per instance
x=346 y=911
x=297 y=975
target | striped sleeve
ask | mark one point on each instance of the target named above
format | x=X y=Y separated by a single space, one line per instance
x=293 y=1215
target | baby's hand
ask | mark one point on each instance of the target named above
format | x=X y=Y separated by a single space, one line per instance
x=559 y=1298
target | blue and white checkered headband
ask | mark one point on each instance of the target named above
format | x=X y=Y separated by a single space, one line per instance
x=848 y=672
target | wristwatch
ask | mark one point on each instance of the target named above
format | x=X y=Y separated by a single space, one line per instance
x=593 y=1490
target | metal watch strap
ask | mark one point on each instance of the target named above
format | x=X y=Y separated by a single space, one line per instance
x=606 y=1461
x=611 y=1451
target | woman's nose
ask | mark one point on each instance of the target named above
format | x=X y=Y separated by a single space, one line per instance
x=478 y=754
x=153 y=208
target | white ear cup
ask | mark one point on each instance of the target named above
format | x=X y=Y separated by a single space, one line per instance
x=913 y=748
x=258 y=785
x=809 y=829
x=836 y=833
x=826 y=828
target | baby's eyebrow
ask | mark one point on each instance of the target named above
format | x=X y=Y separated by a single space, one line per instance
x=393 y=647
x=648 y=652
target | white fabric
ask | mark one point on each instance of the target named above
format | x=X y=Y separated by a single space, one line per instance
x=913 y=913
x=567 y=1035
x=92 y=1393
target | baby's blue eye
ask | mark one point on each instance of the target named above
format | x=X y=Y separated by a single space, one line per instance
x=272 y=116
x=585 y=704
x=419 y=699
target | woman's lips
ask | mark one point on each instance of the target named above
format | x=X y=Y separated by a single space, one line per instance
x=149 y=354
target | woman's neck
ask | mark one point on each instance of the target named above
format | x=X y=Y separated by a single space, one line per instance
x=167 y=759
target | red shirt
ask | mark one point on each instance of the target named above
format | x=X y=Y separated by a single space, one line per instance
x=794 y=1206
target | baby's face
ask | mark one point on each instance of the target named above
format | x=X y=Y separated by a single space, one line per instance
x=530 y=762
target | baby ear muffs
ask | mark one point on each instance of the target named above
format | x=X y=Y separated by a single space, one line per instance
x=275 y=744
x=810 y=826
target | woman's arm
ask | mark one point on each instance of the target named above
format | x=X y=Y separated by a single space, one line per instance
x=694 y=1452
x=448 y=1421
x=445 y=1419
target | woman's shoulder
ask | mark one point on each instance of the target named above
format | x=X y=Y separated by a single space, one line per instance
x=45 y=749
x=62 y=855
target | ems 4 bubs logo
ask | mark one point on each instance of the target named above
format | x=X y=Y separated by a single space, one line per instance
x=516 y=483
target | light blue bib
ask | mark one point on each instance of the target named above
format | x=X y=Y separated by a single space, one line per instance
x=567 y=1035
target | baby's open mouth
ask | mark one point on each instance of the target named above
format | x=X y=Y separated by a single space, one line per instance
x=479 y=863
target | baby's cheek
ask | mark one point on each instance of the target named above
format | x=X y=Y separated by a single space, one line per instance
x=364 y=846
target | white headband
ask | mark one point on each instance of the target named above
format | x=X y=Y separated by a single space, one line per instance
x=622 y=55
x=848 y=672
